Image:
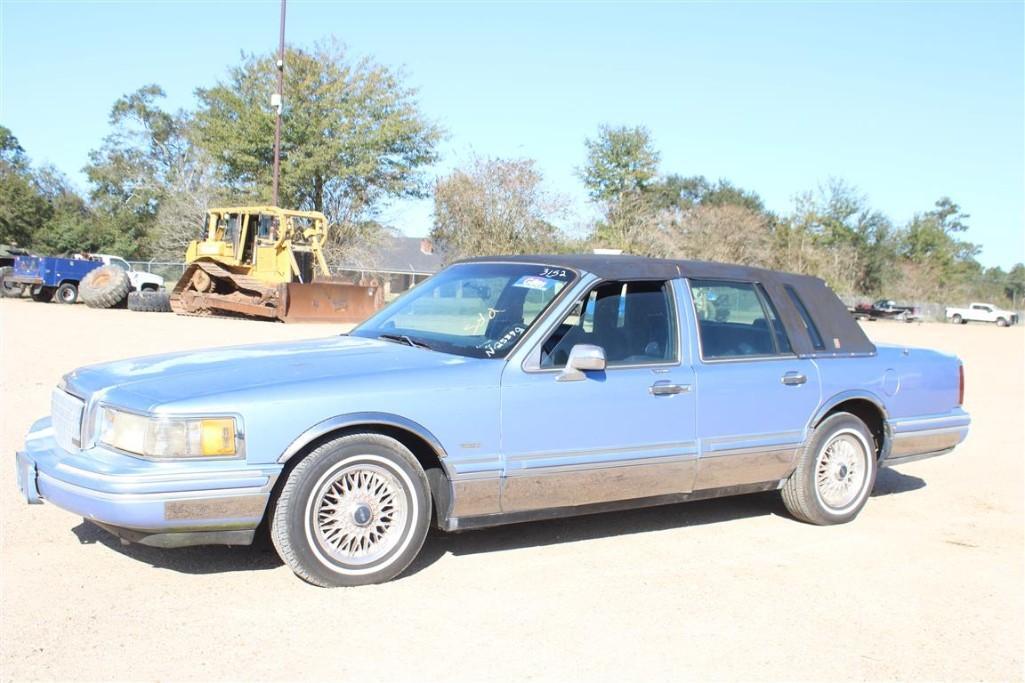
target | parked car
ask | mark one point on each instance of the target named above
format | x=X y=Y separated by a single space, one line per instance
x=983 y=313
x=886 y=309
x=500 y=390
x=55 y=278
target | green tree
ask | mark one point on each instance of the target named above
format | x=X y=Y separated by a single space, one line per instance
x=495 y=206
x=147 y=158
x=1014 y=287
x=353 y=135
x=837 y=218
x=932 y=237
x=12 y=155
x=23 y=209
x=620 y=161
x=38 y=206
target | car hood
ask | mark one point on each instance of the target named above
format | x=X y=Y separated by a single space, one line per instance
x=153 y=380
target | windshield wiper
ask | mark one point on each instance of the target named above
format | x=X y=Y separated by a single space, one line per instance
x=405 y=339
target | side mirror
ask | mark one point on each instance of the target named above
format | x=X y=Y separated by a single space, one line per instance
x=582 y=357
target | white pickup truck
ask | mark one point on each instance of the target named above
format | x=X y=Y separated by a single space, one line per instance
x=983 y=313
x=139 y=279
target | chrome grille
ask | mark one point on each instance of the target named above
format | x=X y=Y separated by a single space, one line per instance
x=66 y=417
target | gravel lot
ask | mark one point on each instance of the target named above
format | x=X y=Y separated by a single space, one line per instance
x=926 y=584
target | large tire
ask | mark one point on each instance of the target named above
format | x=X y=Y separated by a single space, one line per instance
x=835 y=473
x=956 y=319
x=1001 y=322
x=149 y=301
x=67 y=293
x=355 y=511
x=10 y=289
x=42 y=294
x=104 y=287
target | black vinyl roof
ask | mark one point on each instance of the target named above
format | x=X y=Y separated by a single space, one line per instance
x=840 y=332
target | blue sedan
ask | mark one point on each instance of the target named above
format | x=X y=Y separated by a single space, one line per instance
x=501 y=390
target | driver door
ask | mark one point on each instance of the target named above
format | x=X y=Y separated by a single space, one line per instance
x=623 y=433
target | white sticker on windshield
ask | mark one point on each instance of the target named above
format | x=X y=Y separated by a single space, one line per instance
x=534 y=282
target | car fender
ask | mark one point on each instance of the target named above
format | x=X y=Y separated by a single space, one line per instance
x=332 y=424
x=849 y=395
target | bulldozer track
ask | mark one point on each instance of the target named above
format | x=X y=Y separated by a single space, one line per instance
x=261 y=294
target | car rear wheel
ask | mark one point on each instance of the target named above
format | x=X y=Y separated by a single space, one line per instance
x=1001 y=322
x=835 y=473
x=67 y=293
x=956 y=319
x=42 y=294
x=354 y=511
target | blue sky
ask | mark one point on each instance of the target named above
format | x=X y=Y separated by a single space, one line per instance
x=906 y=101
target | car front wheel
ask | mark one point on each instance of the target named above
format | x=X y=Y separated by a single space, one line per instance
x=354 y=511
x=835 y=473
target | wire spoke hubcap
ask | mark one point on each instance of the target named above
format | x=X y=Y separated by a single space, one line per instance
x=359 y=514
x=840 y=471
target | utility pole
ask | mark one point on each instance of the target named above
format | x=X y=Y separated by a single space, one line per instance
x=277 y=103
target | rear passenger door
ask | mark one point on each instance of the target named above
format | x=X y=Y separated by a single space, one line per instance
x=754 y=395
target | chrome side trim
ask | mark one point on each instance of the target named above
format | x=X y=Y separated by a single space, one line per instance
x=599 y=455
x=759 y=442
x=473 y=497
x=927 y=422
x=925 y=441
x=456 y=523
x=588 y=483
x=926 y=434
x=356 y=419
x=746 y=466
x=222 y=507
x=903 y=460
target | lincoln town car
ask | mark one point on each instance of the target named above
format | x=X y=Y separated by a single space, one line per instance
x=501 y=390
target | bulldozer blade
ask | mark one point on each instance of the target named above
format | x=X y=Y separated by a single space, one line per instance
x=325 y=301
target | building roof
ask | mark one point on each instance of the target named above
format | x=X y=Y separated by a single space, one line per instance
x=412 y=255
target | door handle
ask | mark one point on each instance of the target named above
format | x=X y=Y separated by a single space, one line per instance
x=793 y=378
x=664 y=388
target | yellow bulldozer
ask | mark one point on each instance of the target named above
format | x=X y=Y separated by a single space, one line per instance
x=267 y=262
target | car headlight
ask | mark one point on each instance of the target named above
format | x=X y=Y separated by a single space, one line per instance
x=167 y=437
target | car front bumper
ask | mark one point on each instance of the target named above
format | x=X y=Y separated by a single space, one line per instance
x=161 y=503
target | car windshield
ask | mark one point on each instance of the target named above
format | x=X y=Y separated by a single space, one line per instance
x=478 y=310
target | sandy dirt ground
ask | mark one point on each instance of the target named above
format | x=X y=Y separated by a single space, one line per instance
x=926 y=584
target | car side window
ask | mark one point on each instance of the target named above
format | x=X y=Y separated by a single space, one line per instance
x=737 y=319
x=633 y=322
